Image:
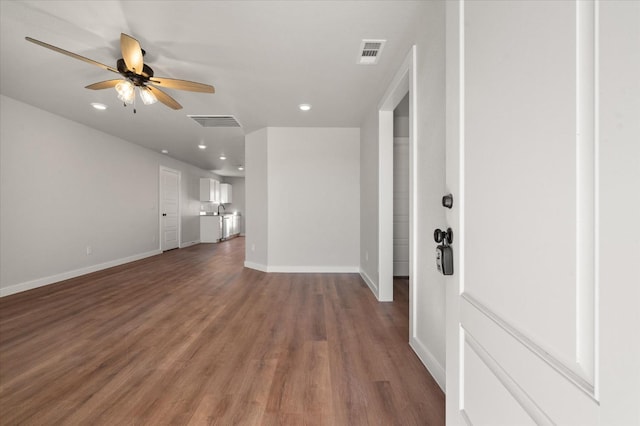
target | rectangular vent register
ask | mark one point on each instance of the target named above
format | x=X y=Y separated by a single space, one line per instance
x=215 y=120
x=370 y=51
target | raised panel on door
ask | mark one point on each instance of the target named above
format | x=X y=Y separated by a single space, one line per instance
x=528 y=176
x=521 y=171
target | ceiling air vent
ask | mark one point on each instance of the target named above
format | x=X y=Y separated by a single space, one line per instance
x=216 y=120
x=370 y=51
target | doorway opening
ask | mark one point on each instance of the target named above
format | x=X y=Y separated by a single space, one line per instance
x=397 y=183
x=401 y=203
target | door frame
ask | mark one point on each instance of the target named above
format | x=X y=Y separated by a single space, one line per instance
x=160 y=239
x=405 y=80
x=454 y=216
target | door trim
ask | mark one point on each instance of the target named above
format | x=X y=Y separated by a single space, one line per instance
x=454 y=47
x=161 y=169
x=404 y=81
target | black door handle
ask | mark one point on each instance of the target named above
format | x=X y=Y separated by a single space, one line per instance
x=164 y=214
x=439 y=235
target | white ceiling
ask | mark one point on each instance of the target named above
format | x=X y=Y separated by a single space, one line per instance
x=263 y=57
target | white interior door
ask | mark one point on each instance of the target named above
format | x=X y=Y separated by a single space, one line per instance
x=169 y=208
x=523 y=317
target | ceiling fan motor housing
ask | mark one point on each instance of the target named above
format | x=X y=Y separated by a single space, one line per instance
x=137 y=79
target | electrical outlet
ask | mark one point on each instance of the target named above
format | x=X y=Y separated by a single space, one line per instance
x=89 y=250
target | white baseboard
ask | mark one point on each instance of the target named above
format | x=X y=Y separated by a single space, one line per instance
x=40 y=282
x=303 y=269
x=189 y=243
x=314 y=269
x=372 y=286
x=256 y=266
x=433 y=366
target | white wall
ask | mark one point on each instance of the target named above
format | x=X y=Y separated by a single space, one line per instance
x=369 y=198
x=429 y=296
x=256 y=200
x=237 y=196
x=314 y=199
x=401 y=118
x=65 y=186
x=302 y=199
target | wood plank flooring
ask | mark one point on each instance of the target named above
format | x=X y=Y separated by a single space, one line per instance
x=190 y=337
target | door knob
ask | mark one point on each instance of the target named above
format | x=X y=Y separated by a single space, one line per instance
x=439 y=235
x=447 y=201
x=164 y=214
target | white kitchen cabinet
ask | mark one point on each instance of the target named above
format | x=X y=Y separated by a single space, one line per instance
x=210 y=229
x=225 y=193
x=209 y=190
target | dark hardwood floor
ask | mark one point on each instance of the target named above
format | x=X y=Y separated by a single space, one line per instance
x=192 y=337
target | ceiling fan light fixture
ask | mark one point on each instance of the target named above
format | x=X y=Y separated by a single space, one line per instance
x=128 y=99
x=126 y=91
x=148 y=98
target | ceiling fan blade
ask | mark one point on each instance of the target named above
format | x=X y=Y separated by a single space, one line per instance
x=192 y=86
x=164 y=98
x=73 y=55
x=104 y=84
x=131 y=53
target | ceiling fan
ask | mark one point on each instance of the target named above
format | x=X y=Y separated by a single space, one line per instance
x=136 y=74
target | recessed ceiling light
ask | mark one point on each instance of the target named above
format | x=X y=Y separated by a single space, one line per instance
x=240 y=167
x=223 y=157
x=99 y=106
x=164 y=151
x=304 y=107
x=202 y=146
